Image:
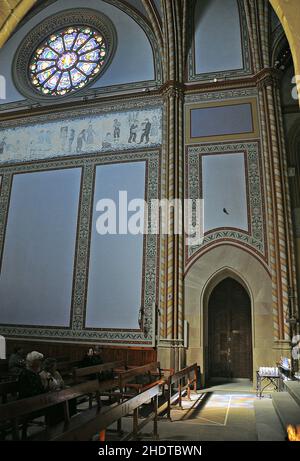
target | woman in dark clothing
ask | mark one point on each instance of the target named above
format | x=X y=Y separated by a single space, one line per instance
x=30 y=383
x=91 y=359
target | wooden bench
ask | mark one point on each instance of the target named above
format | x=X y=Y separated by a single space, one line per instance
x=184 y=378
x=150 y=374
x=20 y=412
x=3 y=366
x=86 y=426
x=8 y=388
x=80 y=373
x=66 y=368
x=95 y=371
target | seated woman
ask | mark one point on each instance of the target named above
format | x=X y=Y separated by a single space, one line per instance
x=91 y=358
x=30 y=383
x=51 y=378
x=52 y=381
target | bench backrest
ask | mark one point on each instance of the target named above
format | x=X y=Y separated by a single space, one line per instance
x=87 y=371
x=3 y=365
x=13 y=410
x=6 y=388
x=185 y=372
x=106 y=418
x=128 y=375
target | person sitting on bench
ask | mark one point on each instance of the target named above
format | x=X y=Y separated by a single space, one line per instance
x=91 y=359
x=51 y=378
x=30 y=383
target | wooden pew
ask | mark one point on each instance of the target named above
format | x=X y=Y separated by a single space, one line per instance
x=185 y=378
x=3 y=366
x=84 y=427
x=8 y=388
x=80 y=373
x=150 y=373
x=66 y=368
x=19 y=412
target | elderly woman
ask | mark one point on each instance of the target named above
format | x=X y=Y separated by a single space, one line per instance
x=30 y=383
x=51 y=378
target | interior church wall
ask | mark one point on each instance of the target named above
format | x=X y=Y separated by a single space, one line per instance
x=215 y=20
x=59 y=255
x=291 y=118
x=38 y=257
x=220 y=45
x=225 y=169
x=112 y=255
x=228 y=172
x=75 y=352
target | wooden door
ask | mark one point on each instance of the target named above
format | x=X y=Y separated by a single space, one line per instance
x=229 y=331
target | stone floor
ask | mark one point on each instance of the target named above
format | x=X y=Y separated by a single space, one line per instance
x=215 y=415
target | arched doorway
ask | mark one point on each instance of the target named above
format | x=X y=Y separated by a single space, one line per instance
x=229 y=332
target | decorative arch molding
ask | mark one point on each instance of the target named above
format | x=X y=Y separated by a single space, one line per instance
x=229 y=242
x=288 y=13
x=209 y=270
x=222 y=274
x=279 y=46
x=11 y=17
x=289 y=16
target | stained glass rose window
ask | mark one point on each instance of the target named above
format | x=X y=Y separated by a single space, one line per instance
x=64 y=55
x=67 y=61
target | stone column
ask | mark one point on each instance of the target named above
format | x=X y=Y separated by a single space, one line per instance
x=279 y=223
x=171 y=300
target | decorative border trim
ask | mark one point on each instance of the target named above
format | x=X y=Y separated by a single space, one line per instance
x=62 y=114
x=228 y=137
x=221 y=95
x=255 y=239
x=151 y=250
x=227 y=74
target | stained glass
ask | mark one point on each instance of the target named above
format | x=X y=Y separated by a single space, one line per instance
x=92 y=56
x=67 y=61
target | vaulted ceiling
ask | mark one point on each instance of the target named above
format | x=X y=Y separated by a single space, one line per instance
x=288 y=11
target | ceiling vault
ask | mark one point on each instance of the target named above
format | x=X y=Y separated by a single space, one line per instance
x=13 y=11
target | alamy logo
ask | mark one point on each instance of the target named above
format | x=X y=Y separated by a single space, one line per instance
x=158 y=217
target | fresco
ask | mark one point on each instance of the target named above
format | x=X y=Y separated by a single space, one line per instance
x=84 y=135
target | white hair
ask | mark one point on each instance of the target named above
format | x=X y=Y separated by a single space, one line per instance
x=34 y=355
